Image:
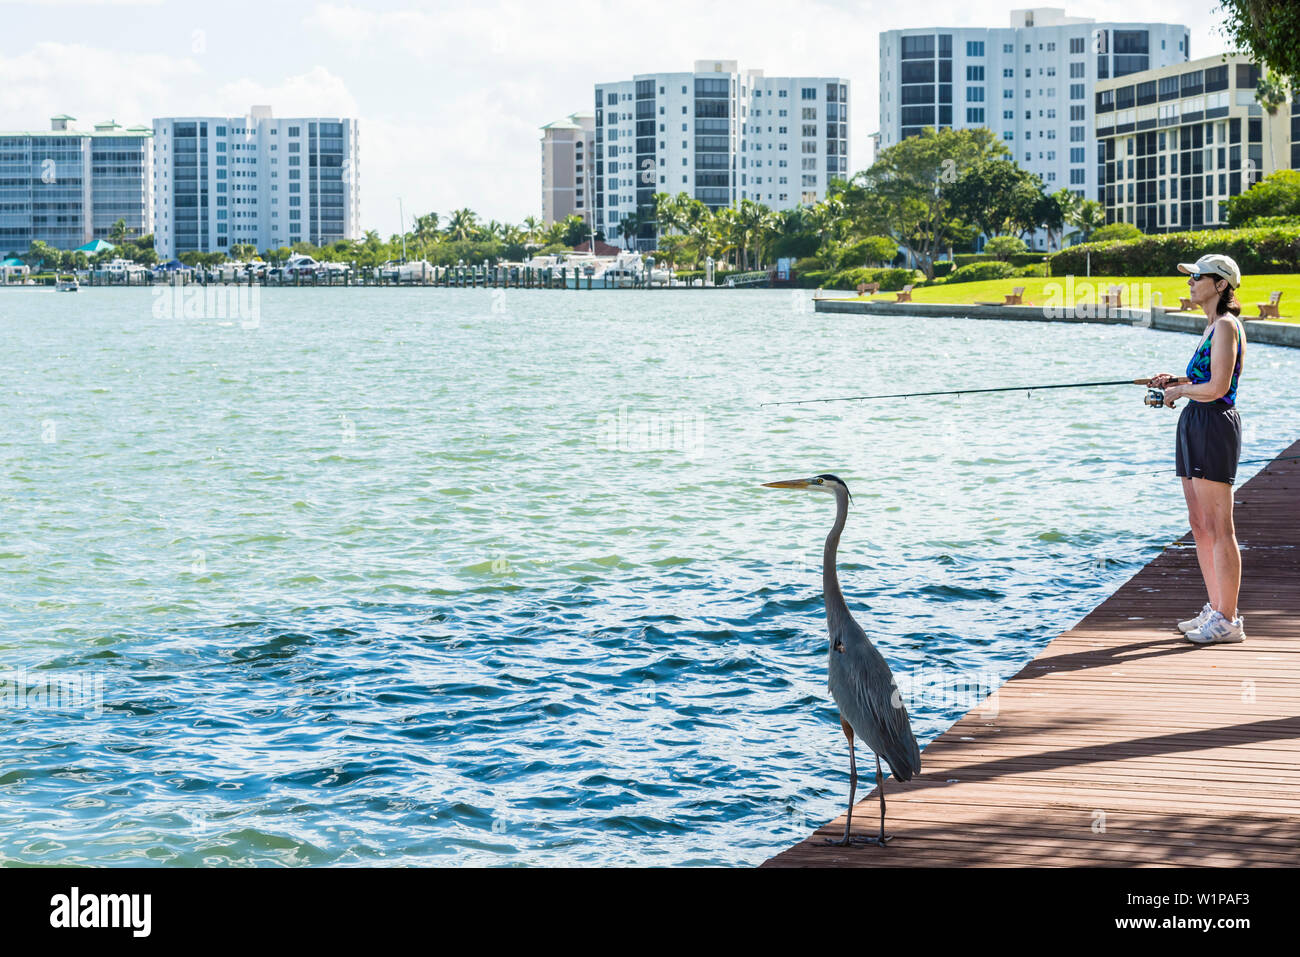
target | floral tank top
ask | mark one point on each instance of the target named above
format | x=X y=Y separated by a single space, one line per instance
x=1198 y=370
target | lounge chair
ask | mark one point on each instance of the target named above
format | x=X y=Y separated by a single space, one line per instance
x=905 y=294
x=1013 y=298
x=1269 y=310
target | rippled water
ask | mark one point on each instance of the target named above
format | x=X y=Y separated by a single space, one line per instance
x=463 y=576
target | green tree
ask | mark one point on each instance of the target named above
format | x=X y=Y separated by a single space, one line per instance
x=1277 y=194
x=1267 y=30
x=1116 y=231
x=907 y=192
x=1004 y=247
x=997 y=196
x=576 y=230
x=463 y=225
x=628 y=227
x=1087 y=217
x=38 y=253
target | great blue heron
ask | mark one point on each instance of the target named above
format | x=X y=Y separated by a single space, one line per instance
x=859 y=679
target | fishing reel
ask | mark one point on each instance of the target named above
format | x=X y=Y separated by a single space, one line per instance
x=1155 y=398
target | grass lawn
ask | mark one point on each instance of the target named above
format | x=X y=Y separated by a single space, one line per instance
x=1253 y=289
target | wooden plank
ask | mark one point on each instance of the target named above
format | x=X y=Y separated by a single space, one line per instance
x=1121 y=744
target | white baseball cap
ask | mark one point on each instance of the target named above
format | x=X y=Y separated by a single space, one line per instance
x=1223 y=266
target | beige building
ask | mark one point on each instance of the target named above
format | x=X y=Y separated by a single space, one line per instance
x=568 y=151
x=1176 y=142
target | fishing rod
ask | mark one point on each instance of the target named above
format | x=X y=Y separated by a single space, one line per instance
x=1154 y=398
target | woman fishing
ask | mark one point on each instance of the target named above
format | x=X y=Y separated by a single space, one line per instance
x=1209 y=445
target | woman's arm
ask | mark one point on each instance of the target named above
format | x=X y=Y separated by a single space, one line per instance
x=1223 y=358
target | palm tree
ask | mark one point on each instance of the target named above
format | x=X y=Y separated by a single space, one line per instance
x=532 y=229
x=628 y=227
x=119 y=233
x=728 y=231
x=1270 y=93
x=553 y=235
x=1087 y=217
x=750 y=217
x=703 y=233
x=463 y=225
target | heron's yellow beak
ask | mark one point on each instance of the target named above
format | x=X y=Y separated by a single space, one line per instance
x=789 y=483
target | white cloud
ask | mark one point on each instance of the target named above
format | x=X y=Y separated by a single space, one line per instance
x=89 y=82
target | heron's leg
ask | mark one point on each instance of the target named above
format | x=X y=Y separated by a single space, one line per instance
x=880 y=790
x=853 y=785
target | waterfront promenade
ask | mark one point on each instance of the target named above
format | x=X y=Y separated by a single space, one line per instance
x=1264 y=332
x=1122 y=744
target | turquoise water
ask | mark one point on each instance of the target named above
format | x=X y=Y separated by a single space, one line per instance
x=473 y=577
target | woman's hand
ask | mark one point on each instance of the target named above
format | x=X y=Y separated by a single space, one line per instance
x=1172 y=393
x=1161 y=379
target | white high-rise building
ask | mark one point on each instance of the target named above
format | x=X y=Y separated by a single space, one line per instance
x=254 y=179
x=719 y=134
x=67 y=187
x=1031 y=83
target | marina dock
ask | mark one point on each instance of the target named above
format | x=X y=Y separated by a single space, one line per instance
x=1122 y=744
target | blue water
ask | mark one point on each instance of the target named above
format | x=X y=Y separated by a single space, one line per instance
x=473 y=577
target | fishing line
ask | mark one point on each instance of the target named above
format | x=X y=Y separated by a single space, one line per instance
x=1008 y=388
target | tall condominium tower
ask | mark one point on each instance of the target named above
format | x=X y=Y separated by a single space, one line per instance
x=1031 y=83
x=67 y=187
x=568 y=170
x=223 y=180
x=719 y=134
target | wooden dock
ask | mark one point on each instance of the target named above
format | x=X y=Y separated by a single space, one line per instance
x=1122 y=744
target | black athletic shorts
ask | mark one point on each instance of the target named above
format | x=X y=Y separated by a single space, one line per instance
x=1209 y=441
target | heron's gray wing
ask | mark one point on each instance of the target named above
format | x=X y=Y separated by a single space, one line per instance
x=864 y=688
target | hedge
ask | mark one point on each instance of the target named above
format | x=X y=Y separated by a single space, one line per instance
x=891 y=280
x=1270 y=249
x=980 y=272
x=1017 y=259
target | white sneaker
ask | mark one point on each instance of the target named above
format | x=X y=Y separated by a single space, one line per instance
x=1217 y=630
x=1193 y=623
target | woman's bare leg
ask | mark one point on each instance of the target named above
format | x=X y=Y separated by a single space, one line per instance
x=1215 y=500
x=1203 y=532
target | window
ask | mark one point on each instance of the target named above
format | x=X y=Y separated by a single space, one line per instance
x=808 y=93
x=1008 y=48
x=1076 y=113
x=810 y=112
x=295 y=130
x=1076 y=91
x=1076 y=71
x=974 y=73
x=1077 y=44
x=974 y=115
x=1008 y=93
x=974 y=48
x=1008 y=114
x=974 y=94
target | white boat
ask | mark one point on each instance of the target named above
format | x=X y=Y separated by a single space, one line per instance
x=623 y=271
x=66 y=285
x=418 y=271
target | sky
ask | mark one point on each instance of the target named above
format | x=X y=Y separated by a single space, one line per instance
x=451 y=96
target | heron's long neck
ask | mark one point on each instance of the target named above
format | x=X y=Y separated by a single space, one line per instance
x=835 y=607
